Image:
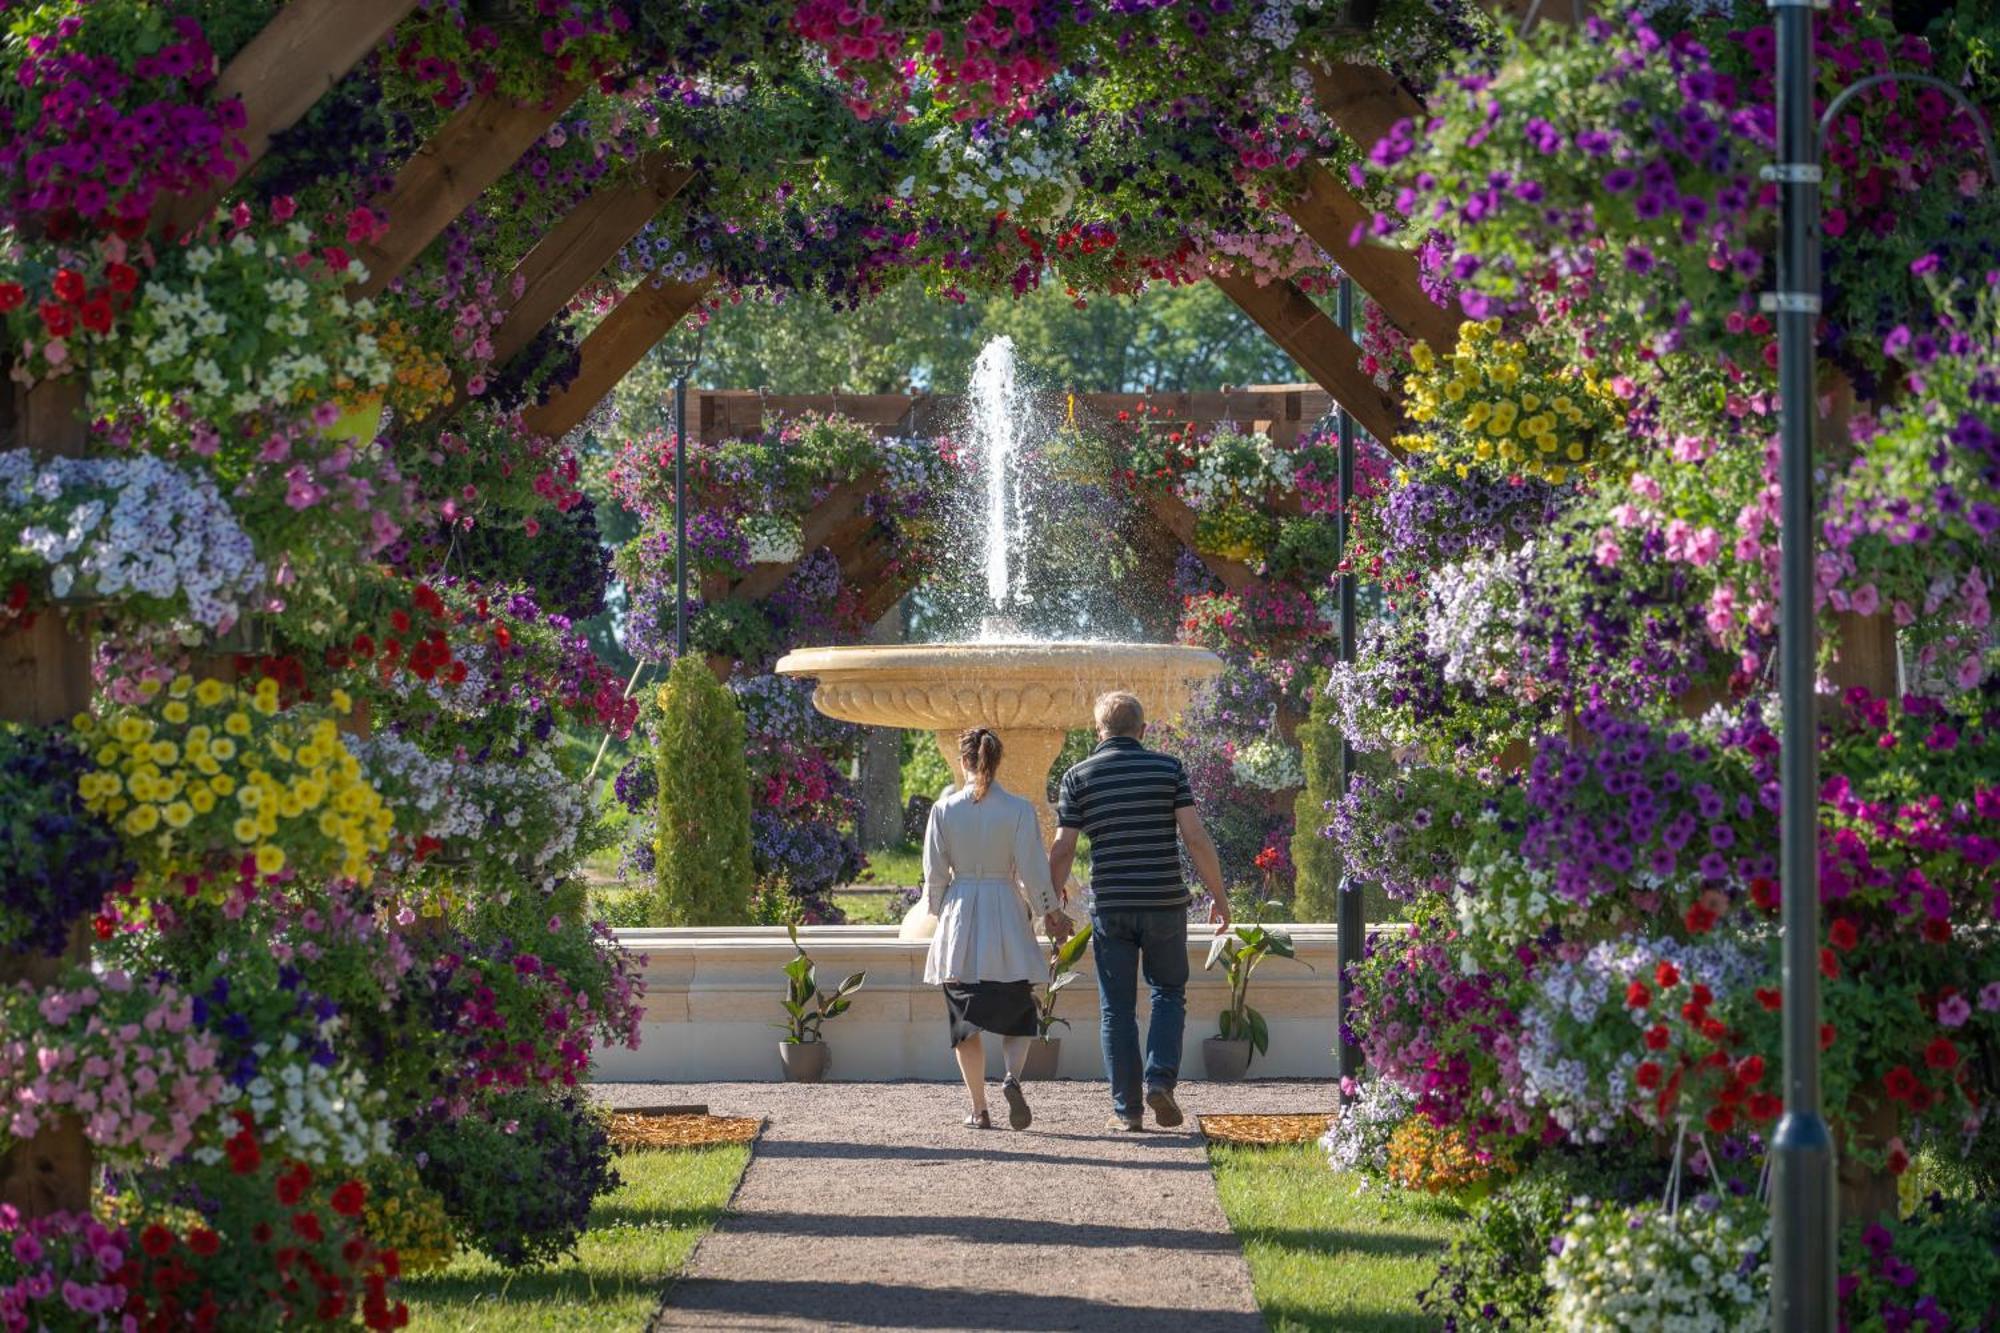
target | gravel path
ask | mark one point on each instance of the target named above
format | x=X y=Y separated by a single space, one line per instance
x=868 y=1206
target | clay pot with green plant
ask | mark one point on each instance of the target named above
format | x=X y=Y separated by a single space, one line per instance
x=1044 y=1051
x=803 y=1051
x=1244 y=1033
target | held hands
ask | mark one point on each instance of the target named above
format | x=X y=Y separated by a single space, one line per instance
x=1059 y=926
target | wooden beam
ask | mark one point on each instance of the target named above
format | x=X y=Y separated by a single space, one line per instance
x=577 y=249
x=1328 y=213
x=471 y=151
x=1364 y=102
x=296 y=59
x=1313 y=340
x=646 y=315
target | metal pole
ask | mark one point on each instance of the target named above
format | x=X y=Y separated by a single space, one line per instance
x=1351 y=923
x=680 y=516
x=1803 y=1205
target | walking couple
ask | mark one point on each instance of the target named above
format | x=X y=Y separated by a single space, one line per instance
x=983 y=856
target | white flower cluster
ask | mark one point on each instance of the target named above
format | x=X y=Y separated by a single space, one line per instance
x=1268 y=764
x=774 y=538
x=267 y=342
x=1277 y=21
x=1360 y=690
x=321 y=1116
x=130 y=527
x=1005 y=172
x=424 y=790
x=1357 y=1138
x=1502 y=900
x=1234 y=465
x=1699 y=1270
x=1473 y=619
x=535 y=813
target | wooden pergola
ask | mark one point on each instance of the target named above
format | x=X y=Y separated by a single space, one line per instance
x=310 y=45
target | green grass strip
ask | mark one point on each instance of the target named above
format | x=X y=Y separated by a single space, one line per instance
x=1323 y=1258
x=639 y=1237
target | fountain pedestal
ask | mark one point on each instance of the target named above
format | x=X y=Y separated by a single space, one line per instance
x=1032 y=694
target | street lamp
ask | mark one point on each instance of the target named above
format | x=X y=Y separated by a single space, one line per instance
x=1347 y=939
x=681 y=361
x=1803 y=1207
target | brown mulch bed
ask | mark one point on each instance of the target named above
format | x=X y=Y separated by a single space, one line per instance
x=642 y=1130
x=1262 y=1131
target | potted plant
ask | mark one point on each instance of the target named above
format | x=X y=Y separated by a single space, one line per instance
x=1045 y=1052
x=803 y=1051
x=1244 y=1033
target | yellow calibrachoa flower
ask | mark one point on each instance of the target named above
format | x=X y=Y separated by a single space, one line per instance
x=1502 y=404
x=300 y=800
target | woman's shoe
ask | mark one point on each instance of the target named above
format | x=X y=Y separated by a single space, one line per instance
x=1018 y=1114
x=978 y=1120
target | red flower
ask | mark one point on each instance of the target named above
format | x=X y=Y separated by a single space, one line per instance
x=122 y=277
x=1657 y=1037
x=1751 y=1069
x=203 y=1241
x=1843 y=935
x=293 y=1184
x=1899 y=1159
x=1771 y=999
x=1764 y=892
x=68 y=285
x=1700 y=919
x=1825 y=1036
x=349 y=1199
x=1829 y=965
x=12 y=296
x=1702 y=995
x=1667 y=975
x=97 y=316
x=1647 y=1075
x=57 y=320
x=502 y=637
x=1941 y=1054
x=1764 y=1105
x=1721 y=1119
x=399 y=620
x=1637 y=996
x=156 y=1240
x=306 y=1225
x=1936 y=931
x=1899 y=1083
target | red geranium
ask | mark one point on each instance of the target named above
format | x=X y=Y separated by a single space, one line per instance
x=349 y=1198
x=1941 y=1054
x=1637 y=996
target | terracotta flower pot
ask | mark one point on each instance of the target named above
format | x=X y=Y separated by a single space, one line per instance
x=1227 y=1059
x=1044 y=1057
x=804 y=1061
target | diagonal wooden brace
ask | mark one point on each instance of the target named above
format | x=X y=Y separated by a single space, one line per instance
x=646 y=315
x=1330 y=215
x=1313 y=340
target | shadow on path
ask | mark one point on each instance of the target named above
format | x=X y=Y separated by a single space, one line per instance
x=989 y=1231
x=821 y=1304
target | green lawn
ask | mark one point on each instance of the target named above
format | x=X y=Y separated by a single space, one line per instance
x=1323 y=1258
x=640 y=1234
x=897 y=867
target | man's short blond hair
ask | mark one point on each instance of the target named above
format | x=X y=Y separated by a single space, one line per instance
x=1119 y=713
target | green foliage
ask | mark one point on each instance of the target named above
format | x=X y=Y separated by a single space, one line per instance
x=925 y=772
x=1240 y=951
x=704 y=852
x=1061 y=974
x=1317 y=895
x=733 y=628
x=807 y=1007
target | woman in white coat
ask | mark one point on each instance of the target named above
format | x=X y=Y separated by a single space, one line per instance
x=985 y=870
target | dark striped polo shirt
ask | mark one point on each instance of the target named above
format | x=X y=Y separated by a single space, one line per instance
x=1123 y=798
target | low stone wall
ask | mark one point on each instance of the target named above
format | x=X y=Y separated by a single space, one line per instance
x=711 y=996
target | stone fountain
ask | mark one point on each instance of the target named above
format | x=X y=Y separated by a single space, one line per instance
x=1031 y=693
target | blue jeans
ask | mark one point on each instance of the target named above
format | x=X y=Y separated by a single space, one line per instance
x=1125 y=943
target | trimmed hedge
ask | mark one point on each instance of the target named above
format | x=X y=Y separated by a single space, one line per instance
x=703 y=860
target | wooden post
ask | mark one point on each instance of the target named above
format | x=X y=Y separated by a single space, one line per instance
x=44 y=681
x=1364 y=102
x=306 y=48
x=645 y=316
x=577 y=248
x=472 y=150
x=1321 y=349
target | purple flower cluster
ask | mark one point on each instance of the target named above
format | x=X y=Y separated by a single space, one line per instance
x=57 y=860
x=809 y=856
x=89 y=135
x=1431 y=521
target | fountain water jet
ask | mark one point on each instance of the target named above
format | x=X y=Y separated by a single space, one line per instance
x=1031 y=693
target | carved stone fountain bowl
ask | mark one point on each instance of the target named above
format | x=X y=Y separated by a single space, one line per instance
x=1033 y=694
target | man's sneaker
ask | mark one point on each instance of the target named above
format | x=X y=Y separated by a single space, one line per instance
x=1018 y=1114
x=1118 y=1124
x=1165 y=1109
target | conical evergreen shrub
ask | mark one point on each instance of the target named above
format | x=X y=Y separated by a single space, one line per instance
x=704 y=853
x=1317 y=859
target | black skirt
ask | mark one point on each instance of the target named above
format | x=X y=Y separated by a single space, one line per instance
x=1006 y=1008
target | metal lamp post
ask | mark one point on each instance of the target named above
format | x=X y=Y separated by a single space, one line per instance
x=682 y=365
x=1347 y=941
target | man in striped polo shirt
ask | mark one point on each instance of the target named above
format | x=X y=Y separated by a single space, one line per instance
x=1135 y=807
